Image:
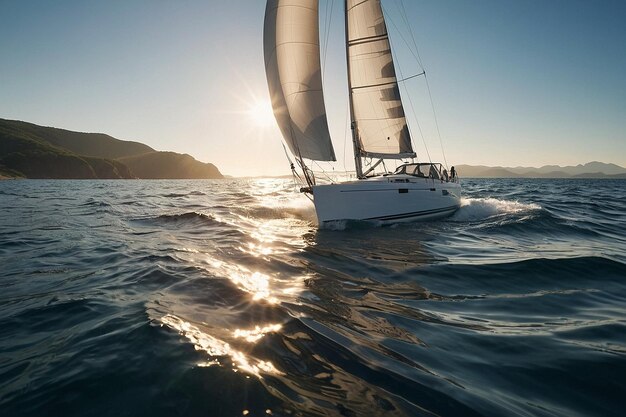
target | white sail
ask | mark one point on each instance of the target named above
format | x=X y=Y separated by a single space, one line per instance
x=293 y=70
x=377 y=111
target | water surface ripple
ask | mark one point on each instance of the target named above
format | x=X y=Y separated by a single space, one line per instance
x=223 y=298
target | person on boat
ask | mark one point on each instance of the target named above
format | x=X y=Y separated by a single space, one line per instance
x=445 y=175
x=452 y=173
x=433 y=173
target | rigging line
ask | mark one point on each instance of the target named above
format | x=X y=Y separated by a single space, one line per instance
x=430 y=96
x=345 y=135
x=359 y=87
x=323 y=171
x=419 y=61
x=299 y=158
x=327 y=24
x=412 y=76
x=306 y=175
x=432 y=105
x=323 y=41
x=418 y=123
x=409 y=96
x=406 y=19
x=296 y=177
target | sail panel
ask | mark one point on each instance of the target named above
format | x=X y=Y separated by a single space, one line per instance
x=293 y=70
x=377 y=107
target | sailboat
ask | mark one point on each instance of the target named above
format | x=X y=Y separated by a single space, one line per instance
x=413 y=191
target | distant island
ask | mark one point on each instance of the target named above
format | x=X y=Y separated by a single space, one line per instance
x=31 y=151
x=589 y=170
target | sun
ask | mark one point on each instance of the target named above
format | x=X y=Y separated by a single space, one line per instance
x=260 y=112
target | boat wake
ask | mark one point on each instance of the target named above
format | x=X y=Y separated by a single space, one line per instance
x=477 y=209
x=296 y=206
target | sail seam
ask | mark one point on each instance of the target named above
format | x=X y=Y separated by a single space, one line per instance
x=374 y=85
x=295 y=5
x=295 y=43
x=380 y=119
x=370 y=39
x=357 y=5
x=290 y=95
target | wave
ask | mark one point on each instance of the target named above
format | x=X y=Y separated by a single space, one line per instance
x=184 y=216
x=476 y=209
x=238 y=304
x=95 y=203
x=341 y=225
x=526 y=273
x=179 y=195
x=184 y=219
x=272 y=208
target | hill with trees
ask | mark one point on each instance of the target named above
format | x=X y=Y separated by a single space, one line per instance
x=31 y=151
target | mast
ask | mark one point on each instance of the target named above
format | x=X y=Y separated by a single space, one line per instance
x=353 y=126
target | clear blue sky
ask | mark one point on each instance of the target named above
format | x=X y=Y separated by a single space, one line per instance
x=514 y=82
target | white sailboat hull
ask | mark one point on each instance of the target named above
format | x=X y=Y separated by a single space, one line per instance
x=389 y=199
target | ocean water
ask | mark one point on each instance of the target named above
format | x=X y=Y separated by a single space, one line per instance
x=223 y=298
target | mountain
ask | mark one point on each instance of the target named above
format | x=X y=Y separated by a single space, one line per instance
x=481 y=171
x=32 y=151
x=24 y=155
x=600 y=175
x=591 y=167
x=590 y=170
x=162 y=165
x=97 y=145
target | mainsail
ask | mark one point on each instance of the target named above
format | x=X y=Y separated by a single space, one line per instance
x=377 y=113
x=293 y=70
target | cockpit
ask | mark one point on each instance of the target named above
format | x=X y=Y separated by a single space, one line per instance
x=423 y=170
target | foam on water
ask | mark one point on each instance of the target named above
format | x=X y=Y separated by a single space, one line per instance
x=476 y=209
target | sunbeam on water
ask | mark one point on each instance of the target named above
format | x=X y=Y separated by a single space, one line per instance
x=216 y=348
x=225 y=298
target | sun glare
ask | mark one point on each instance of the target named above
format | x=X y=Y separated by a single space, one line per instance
x=260 y=112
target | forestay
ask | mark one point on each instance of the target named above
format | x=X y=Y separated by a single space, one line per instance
x=378 y=115
x=293 y=69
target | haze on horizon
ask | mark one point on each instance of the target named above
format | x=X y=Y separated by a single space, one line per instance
x=514 y=83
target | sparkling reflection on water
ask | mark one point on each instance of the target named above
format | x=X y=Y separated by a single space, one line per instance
x=225 y=298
